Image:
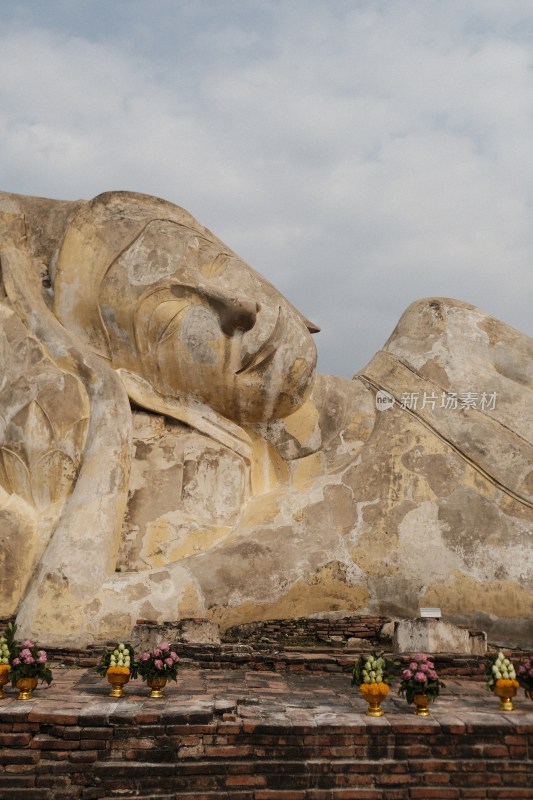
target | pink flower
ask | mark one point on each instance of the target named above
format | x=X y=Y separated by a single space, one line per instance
x=43 y=653
x=16 y=662
x=25 y=653
x=174 y=656
x=145 y=656
x=158 y=664
x=156 y=651
x=407 y=674
x=28 y=643
x=432 y=675
x=530 y=673
x=413 y=666
x=420 y=677
x=421 y=657
x=431 y=665
x=29 y=660
x=521 y=670
x=169 y=662
x=164 y=646
x=424 y=668
x=41 y=659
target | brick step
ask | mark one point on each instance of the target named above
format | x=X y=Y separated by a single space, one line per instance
x=191 y=793
x=270 y=794
x=273 y=779
x=366 y=785
x=261 y=794
x=443 y=793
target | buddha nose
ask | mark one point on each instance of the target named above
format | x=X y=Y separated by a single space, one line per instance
x=234 y=313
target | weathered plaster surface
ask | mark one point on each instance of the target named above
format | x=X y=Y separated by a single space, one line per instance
x=167 y=451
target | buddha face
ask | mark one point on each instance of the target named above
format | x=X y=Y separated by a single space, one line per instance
x=189 y=316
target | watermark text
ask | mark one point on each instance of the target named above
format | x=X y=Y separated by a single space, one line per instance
x=450 y=401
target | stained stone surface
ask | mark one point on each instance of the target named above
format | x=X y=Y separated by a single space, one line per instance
x=168 y=451
x=436 y=636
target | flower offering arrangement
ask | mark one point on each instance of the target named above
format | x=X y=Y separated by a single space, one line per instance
x=28 y=663
x=420 y=679
x=27 y=659
x=372 y=674
x=157 y=666
x=502 y=680
x=119 y=661
x=501 y=671
x=118 y=665
x=159 y=662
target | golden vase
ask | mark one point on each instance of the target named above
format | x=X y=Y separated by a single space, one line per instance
x=4 y=672
x=157 y=683
x=374 y=694
x=422 y=703
x=26 y=687
x=117 y=680
x=505 y=694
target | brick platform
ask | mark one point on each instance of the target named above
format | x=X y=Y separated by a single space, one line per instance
x=259 y=735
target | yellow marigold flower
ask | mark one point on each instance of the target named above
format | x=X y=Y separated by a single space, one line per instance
x=4 y=667
x=116 y=670
x=507 y=682
x=374 y=688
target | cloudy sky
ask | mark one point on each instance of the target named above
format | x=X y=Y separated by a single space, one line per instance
x=359 y=153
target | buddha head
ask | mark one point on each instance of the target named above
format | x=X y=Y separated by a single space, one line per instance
x=153 y=292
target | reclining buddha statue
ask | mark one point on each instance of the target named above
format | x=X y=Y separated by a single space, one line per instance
x=168 y=450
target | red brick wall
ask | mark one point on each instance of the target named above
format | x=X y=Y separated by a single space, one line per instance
x=103 y=753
